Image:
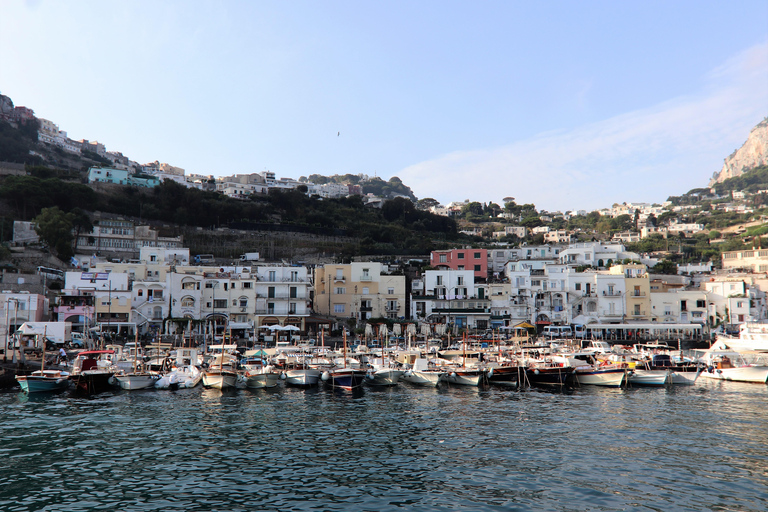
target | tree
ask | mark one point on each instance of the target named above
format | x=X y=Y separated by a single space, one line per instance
x=81 y=222
x=427 y=203
x=54 y=227
x=665 y=267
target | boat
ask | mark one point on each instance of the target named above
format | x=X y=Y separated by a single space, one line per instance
x=645 y=377
x=724 y=364
x=345 y=378
x=681 y=372
x=221 y=374
x=258 y=374
x=753 y=336
x=138 y=377
x=611 y=375
x=504 y=374
x=463 y=376
x=547 y=373
x=92 y=371
x=41 y=381
x=301 y=375
x=184 y=373
x=382 y=373
x=423 y=373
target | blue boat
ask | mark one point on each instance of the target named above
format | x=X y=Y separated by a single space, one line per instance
x=43 y=381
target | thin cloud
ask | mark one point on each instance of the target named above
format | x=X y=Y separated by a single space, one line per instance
x=645 y=155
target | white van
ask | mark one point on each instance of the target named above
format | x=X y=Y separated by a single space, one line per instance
x=557 y=331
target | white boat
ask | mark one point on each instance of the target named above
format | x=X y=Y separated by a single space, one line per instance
x=181 y=377
x=138 y=380
x=753 y=336
x=42 y=381
x=723 y=364
x=423 y=373
x=257 y=378
x=462 y=376
x=383 y=376
x=607 y=375
x=219 y=379
x=222 y=373
x=640 y=377
x=302 y=375
x=185 y=372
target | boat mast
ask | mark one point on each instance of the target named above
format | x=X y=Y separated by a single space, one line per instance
x=42 y=361
x=345 y=348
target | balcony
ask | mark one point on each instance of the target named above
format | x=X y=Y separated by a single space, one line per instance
x=637 y=314
x=611 y=314
x=636 y=294
x=366 y=308
x=610 y=293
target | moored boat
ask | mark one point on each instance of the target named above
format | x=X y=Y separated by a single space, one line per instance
x=92 y=371
x=42 y=381
x=723 y=364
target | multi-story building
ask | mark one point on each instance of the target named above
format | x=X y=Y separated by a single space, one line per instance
x=755 y=260
x=475 y=260
x=358 y=290
x=559 y=236
x=20 y=307
x=450 y=297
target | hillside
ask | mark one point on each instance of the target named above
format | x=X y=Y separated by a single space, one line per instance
x=753 y=153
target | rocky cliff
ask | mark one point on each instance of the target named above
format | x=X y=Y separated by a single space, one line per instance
x=752 y=154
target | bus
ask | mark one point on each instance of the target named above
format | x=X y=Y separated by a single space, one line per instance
x=557 y=331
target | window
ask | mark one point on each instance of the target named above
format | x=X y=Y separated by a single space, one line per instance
x=220 y=303
x=293 y=292
x=294 y=275
x=272 y=276
x=637 y=309
x=292 y=308
x=439 y=280
x=270 y=308
x=477 y=255
x=390 y=291
x=140 y=292
x=366 y=290
x=187 y=302
x=460 y=255
x=460 y=280
x=339 y=273
x=477 y=268
x=443 y=258
x=338 y=308
x=189 y=285
x=247 y=285
x=701 y=303
x=392 y=305
x=271 y=292
x=243 y=303
x=340 y=291
x=461 y=267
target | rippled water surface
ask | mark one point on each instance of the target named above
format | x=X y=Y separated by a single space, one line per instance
x=703 y=447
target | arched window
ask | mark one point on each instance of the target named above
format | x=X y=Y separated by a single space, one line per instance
x=187 y=302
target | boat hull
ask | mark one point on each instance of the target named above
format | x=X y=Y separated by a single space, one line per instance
x=757 y=374
x=422 y=378
x=384 y=377
x=219 y=380
x=505 y=375
x=463 y=377
x=92 y=382
x=346 y=379
x=302 y=378
x=261 y=380
x=656 y=378
x=610 y=378
x=42 y=384
x=131 y=382
x=550 y=376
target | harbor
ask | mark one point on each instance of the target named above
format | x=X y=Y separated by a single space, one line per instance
x=388 y=448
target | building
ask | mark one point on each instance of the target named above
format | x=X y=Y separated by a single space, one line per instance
x=755 y=260
x=559 y=236
x=475 y=260
x=108 y=175
x=359 y=291
x=450 y=297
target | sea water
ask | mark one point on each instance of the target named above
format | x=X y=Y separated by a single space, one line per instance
x=702 y=447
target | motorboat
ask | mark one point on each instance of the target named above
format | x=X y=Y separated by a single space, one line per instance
x=423 y=373
x=301 y=374
x=462 y=376
x=92 y=371
x=42 y=381
x=611 y=375
x=681 y=372
x=753 y=336
x=724 y=364
x=345 y=378
x=645 y=377
x=382 y=373
x=184 y=373
x=504 y=374
x=222 y=373
x=258 y=374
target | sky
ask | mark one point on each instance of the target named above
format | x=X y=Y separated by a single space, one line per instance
x=567 y=105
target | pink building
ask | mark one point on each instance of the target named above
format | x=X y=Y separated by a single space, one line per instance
x=462 y=259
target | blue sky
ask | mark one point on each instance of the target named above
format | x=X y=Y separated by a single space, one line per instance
x=563 y=104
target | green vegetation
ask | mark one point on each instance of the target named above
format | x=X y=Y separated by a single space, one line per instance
x=16 y=143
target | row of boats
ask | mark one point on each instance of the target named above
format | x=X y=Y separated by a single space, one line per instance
x=545 y=364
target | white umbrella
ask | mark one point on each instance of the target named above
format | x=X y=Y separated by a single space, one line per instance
x=426 y=329
x=368 y=331
x=275 y=327
x=383 y=331
x=396 y=330
x=291 y=328
x=411 y=328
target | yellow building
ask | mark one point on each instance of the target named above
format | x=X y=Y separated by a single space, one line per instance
x=358 y=290
x=638 y=291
